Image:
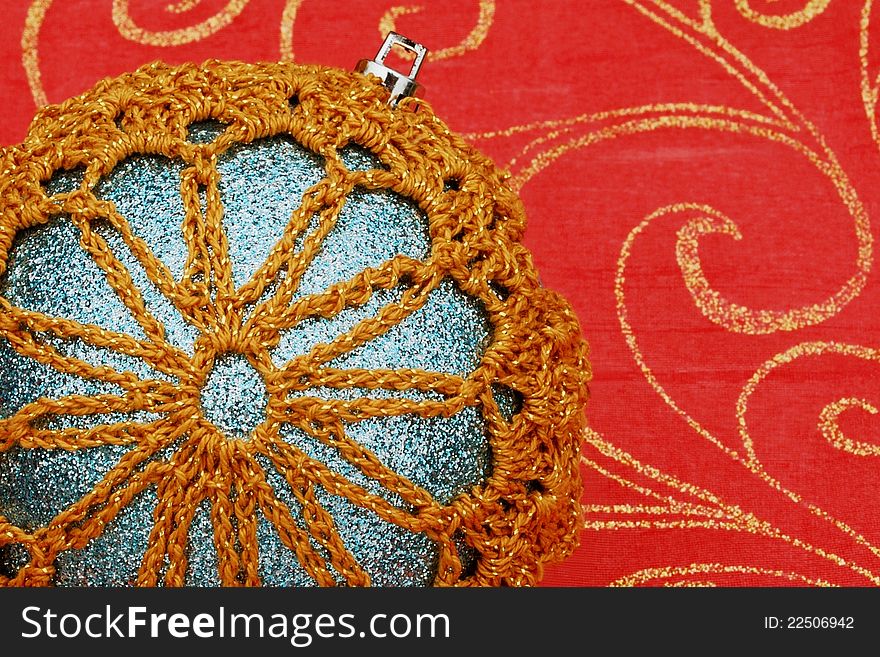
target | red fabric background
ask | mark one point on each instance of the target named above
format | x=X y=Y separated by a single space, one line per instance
x=700 y=178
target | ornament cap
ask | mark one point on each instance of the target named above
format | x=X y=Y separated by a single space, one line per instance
x=400 y=85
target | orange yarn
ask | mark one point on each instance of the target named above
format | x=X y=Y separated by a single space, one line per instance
x=523 y=515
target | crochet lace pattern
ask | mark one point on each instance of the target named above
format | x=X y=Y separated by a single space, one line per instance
x=523 y=515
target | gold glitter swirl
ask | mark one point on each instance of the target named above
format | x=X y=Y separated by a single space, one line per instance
x=182 y=6
x=703 y=36
x=792 y=128
x=133 y=32
x=751 y=461
x=704 y=118
x=288 y=19
x=671 y=572
x=783 y=21
x=829 y=415
x=630 y=336
x=695 y=584
x=832 y=433
x=720 y=515
x=784 y=124
x=630 y=121
x=870 y=86
x=712 y=305
x=566 y=125
x=388 y=23
x=30 y=57
x=741 y=319
x=706 y=39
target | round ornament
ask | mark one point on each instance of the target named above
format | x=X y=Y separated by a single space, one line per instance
x=261 y=326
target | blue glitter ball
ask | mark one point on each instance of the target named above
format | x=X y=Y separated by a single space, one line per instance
x=260 y=185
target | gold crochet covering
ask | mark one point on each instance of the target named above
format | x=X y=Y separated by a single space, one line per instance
x=523 y=515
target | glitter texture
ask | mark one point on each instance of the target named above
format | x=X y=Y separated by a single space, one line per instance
x=234 y=396
x=204 y=132
x=37 y=484
x=12 y=558
x=146 y=191
x=275 y=565
x=448 y=334
x=25 y=380
x=50 y=272
x=371 y=228
x=113 y=558
x=201 y=564
x=261 y=185
x=358 y=158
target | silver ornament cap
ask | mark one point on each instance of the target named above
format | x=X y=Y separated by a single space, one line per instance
x=401 y=86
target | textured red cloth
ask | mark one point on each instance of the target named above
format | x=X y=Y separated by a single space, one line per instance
x=699 y=176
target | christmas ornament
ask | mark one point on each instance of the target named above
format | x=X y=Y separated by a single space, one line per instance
x=273 y=324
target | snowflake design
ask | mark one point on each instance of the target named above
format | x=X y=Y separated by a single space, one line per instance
x=230 y=358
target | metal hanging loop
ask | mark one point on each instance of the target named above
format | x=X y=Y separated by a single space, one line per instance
x=399 y=85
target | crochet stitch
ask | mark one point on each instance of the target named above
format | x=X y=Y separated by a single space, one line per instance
x=526 y=511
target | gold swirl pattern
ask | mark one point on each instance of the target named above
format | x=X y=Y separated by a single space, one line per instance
x=37 y=11
x=832 y=433
x=870 y=86
x=712 y=512
x=670 y=573
x=786 y=21
x=182 y=6
x=288 y=19
x=738 y=318
x=30 y=58
x=133 y=32
x=828 y=418
x=785 y=125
